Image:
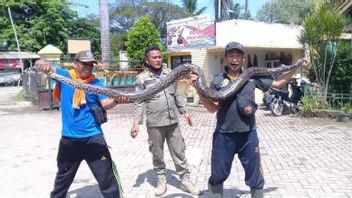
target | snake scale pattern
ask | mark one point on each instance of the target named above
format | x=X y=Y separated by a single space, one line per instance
x=178 y=73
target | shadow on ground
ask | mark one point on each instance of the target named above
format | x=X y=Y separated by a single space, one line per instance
x=91 y=191
x=150 y=177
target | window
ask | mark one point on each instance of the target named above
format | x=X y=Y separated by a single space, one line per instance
x=272 y=63
x=177 y=60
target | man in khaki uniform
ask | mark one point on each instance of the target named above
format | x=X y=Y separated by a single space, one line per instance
x=162 y=111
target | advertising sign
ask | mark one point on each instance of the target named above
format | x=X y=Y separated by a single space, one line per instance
x=192 y=32
x=76 y=45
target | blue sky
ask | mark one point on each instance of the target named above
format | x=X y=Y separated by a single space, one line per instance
x=93 y=6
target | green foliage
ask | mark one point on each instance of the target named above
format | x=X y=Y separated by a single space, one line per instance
x=142 y=35
x=20 y=96
x=117 y=42
x=321 y=32
x=235 y=11
x=346 y=107
x=309 y=103
x=82 y=29
x=285 y=11
x=341 y=76
x=191 y=7
x=39 y=23
x=127 y=12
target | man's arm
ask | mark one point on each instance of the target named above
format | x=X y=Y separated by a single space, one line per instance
x=44 y=66
x=211 y=106
x=111 y=103
x=208 y=104
x=182 y=107
x=178 y=101
x=138 y=110
x=285 y=77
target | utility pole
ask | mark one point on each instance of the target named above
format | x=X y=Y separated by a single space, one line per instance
x=18 y=45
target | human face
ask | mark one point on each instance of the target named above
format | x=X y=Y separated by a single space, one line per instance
x=84 y=69
x=234 y=60
x=154 y=59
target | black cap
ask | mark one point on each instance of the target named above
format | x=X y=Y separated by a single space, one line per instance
x=234 y=45
x=85 y=56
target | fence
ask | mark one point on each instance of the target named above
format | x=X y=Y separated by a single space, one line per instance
x=38 y=89
x=334 y=100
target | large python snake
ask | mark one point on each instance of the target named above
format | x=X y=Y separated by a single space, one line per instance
x=178 y=73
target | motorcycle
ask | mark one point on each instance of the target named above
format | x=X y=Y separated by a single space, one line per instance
x=280 y=102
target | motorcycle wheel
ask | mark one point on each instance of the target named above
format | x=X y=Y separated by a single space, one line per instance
x=276 y=107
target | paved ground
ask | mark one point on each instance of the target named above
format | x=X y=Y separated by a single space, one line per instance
x=302 y=157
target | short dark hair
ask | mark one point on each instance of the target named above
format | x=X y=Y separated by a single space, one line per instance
x=151 y=48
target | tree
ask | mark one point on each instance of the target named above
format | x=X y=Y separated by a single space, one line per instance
x=128 y=11
x=235 y=11
x=285 y=11
x=321 y=32
x=229 y=10
x=161 y=12
x=105 y=33
x=341 y=76
x=142 y=35
x=225 y=7
x=37 y=23
x=82 y=29
x=191 y=7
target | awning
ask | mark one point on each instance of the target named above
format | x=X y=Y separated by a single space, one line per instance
x=18 y=55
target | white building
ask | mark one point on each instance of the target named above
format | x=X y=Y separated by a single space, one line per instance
x=269 y=43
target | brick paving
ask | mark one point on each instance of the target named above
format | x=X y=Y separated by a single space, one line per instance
x=301 y=157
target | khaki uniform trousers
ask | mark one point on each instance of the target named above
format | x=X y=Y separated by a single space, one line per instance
x=173 y=136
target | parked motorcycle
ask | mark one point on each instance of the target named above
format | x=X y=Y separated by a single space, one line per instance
x=280 y=102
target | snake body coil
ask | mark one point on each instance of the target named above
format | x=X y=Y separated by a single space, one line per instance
x=178 y=73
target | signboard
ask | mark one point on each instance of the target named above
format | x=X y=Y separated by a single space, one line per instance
x=192 y=32
x=75 y=46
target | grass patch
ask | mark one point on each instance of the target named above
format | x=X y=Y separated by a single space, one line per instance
x=20 y=96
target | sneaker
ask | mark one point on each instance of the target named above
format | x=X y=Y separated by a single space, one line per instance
x=161 y=188
x=188 y=186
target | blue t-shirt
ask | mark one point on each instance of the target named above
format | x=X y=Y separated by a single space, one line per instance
x=78 y=123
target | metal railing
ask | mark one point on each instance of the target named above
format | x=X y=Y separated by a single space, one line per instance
x=334 y=101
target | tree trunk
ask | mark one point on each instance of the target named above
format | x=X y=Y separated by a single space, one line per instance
x=104 y=32
x=329 y=73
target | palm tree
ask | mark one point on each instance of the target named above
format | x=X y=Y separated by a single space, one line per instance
x=235 y=11
x=191 y=6
x=225 y=7
x=105 y=33
x=321 y=32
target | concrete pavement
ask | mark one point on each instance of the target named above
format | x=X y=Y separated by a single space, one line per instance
x=301 y=157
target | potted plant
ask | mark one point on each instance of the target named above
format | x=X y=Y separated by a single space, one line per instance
x=345 y=115
x=191 y=91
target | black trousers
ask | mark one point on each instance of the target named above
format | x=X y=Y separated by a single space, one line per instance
x=246 y=145
x=95 y=152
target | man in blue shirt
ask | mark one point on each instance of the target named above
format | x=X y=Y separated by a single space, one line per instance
x=82 y=136
x=236 y=131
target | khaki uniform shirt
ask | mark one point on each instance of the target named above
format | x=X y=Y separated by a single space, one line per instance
x=163 y=108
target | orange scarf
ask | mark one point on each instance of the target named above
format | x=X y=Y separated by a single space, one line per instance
x=79 y=97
